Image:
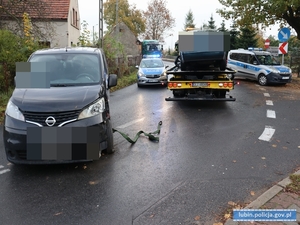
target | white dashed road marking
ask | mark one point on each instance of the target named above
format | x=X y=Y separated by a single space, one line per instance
x=3 y=171
x=271 y=114
x=267 y=134
x=268 y=131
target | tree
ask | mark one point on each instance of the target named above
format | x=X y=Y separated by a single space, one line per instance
x=211 y=23
x=189 y=20
x=234 y=33
x=158 y=20
x=127 y=13
x=262 y=12
x=223 y=27
x=273 y=41
x=247 y=37
x=84 y=38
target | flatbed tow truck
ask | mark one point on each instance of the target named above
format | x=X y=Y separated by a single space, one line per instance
x=200 y=76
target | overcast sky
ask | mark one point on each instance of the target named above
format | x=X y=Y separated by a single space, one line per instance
x=202 y=11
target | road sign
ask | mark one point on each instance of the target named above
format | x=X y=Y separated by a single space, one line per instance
x=283 y=48
x=267 y=43
x=284 y=34
x=273 y=50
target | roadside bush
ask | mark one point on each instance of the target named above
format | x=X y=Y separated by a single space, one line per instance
x=13 y=49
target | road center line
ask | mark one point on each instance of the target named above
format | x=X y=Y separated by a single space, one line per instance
x=130 y=123
x=271 y=114
x=269 y=102
x=267 y=133
x=1 y=166
x=4 y=171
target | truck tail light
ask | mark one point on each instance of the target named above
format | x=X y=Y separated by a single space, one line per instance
x=174 y=85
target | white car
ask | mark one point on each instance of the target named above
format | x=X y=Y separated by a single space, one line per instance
x=258 y=65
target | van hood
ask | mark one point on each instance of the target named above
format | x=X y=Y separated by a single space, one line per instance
x=56 y=99
x=280 y=68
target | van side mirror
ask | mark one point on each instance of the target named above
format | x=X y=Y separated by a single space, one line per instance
x=255 y=62
x=112 y=80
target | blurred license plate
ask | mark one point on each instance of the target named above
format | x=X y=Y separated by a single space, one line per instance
x=199 y=84
x=153 y=81
x=285 y=78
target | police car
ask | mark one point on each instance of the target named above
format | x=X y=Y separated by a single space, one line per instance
x=258 y=65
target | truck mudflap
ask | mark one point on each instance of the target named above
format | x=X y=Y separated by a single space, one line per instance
x=230 y=98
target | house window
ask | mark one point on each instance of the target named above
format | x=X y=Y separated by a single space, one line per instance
x=74 y=20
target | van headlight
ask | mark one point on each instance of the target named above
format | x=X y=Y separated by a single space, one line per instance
x=13 y=111
x=275 y=71
x=93 y=110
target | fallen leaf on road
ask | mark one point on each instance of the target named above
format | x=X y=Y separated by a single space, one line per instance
x=252 y=193
x=93 y=182
x=227 y=216
x=152 y=216
x=57 y=214
x=298 y=146
x=263 y=157
x=285 y=148
x=274 y=146
x=234 y=161
x=218 y=224
x=231 y=203
x=84 y=167
x=265 y=165
x=197 y=218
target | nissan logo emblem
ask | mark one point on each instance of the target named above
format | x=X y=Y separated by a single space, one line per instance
x=50 y=121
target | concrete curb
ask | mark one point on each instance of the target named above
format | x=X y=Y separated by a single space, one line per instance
x=265 y=197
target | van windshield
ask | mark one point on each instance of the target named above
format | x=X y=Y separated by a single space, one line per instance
x=69 y=69
x=267 y=60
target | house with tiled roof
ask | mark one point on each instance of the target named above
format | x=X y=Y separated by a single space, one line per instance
x=55 y=23
x=126 y=37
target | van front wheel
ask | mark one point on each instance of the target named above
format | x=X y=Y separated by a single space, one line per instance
x=262 y=80
x=110 y=139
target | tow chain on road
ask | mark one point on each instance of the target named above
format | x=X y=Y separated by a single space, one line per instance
x=150 y=135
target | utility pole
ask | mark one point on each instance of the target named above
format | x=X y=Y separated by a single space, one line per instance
x=117 y=24
x=117 y=34
x=100 y=41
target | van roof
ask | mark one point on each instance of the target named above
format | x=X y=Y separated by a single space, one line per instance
x=251 y=52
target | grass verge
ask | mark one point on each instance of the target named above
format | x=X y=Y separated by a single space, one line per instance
x=125 y=81
x=294 y=186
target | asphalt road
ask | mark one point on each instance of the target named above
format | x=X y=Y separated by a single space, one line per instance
x=209 y=153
